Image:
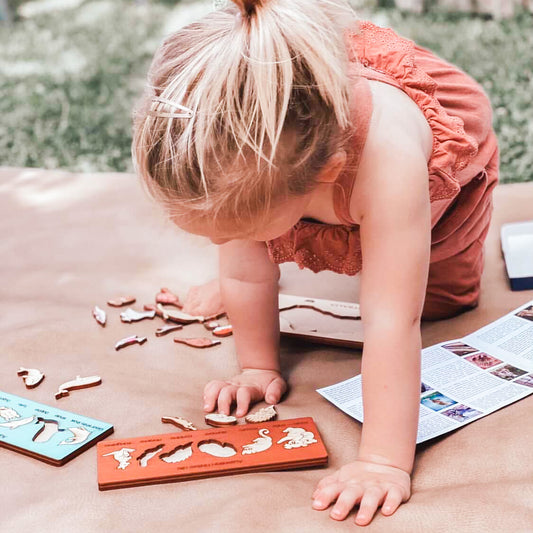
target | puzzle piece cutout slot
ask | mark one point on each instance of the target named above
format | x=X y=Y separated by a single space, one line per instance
x=274 y=445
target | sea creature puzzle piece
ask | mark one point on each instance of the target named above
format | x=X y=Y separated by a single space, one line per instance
x=14 y=424
x=223 y=331
x=160 y=332
x=217 y=449
x=178 y=316
x=7 y=413
x=130 y=315
x=78 y=383
x=180 y=422
x=31 y=376
x=198 y=342
x=99 y=315
x=220 y=420
x=121 y=301
x=80 y=435
x=128 y=341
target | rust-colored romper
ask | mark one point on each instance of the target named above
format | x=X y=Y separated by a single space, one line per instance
x=463 y=170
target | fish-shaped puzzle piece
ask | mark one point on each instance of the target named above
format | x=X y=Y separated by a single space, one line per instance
x=198 y=342
x=99 y=315
x=130 y=315
x=167 y=297
x=128 y=341
x=78 y=383
x=223 y=331
x=122 y=301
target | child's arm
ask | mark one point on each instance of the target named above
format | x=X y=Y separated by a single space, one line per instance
x=249 y=290
x=395 y=238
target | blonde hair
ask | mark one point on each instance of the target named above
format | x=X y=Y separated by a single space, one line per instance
x=223 y=91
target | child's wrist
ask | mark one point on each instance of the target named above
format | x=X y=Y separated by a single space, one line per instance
x=378 y=460
x=255 y=370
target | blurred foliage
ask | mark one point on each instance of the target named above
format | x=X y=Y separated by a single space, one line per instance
x=69 y=79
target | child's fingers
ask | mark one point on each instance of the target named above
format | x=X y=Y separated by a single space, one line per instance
x=211 y=392
x=275 y=391
x=244 y=397
x=392 y=501
x=225 y=398
x=346 y=501
x=372 y=498
x=327 y=495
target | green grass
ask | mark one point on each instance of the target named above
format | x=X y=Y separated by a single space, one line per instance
x=69 y=80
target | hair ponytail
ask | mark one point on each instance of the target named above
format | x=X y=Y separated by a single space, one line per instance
x=280 y=67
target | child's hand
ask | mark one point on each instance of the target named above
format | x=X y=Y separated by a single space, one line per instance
x=204 y=300
x=371 y=484
x=250 y=386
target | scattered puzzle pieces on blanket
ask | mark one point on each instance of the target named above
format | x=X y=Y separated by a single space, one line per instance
x=130 y=315
x=128 y=341
x=167 y=297
x=78 y=383
x=122 y=301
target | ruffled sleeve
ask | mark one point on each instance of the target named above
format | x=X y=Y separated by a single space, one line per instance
x=384 y=51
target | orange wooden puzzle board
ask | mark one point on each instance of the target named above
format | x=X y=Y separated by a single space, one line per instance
x=300 y=447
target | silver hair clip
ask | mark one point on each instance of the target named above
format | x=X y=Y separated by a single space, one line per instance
x=183 y=112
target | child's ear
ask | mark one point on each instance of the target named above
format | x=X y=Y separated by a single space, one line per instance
x=330 y=172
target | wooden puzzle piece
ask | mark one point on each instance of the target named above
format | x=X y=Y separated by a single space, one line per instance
x=99 y=315
x=128 y=341
x=260 y=444
x=13 y=424
x=167 y=297
x=223 y=331
x=80 y=435
x=178 y=316
x=198 y=342
x=212 y=452
x=123 y=457
x=296 y=438
x=130 y=315
x=220 y=420
x=263 y=415
x=7 y=413
x=31 y=376
x=210 y=325
x=147 y=455
x=180 y=422
x=78 y=383
x=160 y=332
x=46 y=431
x=122 y=301
x=216 y=448
x=178 y=455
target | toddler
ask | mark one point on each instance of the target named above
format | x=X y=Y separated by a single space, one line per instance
x=286 y=130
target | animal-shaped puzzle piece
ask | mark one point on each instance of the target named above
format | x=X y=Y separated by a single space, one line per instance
x=14 y=424
x=149 y=454
x=31 y=376
x=220 y=420
x=128 y=341
x=211 y=325
x=198 y=342
x=121 y=301
x=7 y=413
x=99 y=315
x=223 y=331
x=167 y=297
x=123 y=456
x=80 y=435
x=216 y=448
x=262 y=443
x=297 y=438
x=178 y=316
x=180 y=422
x=78 y=383
x=178 y=455
x=263 y=415
x=160 y=332
x=130 y=315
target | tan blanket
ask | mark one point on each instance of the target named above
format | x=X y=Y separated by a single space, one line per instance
x=72 y=241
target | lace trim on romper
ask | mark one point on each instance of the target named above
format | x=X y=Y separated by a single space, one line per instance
x=381 y=54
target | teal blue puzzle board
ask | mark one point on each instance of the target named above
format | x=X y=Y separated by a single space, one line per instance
x=46 y=433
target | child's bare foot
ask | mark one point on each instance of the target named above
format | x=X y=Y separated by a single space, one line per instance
x=204 y=300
